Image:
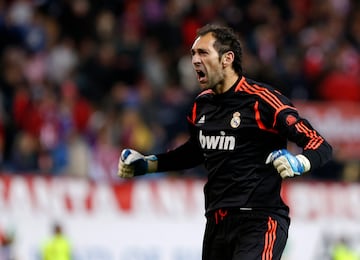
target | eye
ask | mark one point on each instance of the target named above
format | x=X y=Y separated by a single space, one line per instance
x=202 y=52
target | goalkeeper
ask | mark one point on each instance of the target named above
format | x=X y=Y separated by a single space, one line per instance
x=239 y=129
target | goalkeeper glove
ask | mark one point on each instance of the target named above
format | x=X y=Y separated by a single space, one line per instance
x=287 y=164
x=133 y=163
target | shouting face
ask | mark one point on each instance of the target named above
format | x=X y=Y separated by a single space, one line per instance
x=207 y=63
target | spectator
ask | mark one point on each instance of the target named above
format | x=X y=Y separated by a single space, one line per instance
x=309 y=48
x=7 y=240
x=343 y=251
x=57 y=246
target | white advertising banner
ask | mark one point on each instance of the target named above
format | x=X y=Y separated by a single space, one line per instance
x=159 y=219
x=322 y=214
x=326 y=117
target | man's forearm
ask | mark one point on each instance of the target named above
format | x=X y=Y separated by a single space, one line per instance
x=183 y=157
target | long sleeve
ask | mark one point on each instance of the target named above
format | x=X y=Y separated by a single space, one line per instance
x=279 y=115
x=183 y=157
x=301 y=132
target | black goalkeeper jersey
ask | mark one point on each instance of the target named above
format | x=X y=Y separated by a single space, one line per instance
x=232 y=134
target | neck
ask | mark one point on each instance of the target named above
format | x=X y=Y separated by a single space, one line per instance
x=227 y=83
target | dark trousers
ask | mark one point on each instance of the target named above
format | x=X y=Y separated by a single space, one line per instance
x=244 y=235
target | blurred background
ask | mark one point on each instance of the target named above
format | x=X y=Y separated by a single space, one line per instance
x=82 y=79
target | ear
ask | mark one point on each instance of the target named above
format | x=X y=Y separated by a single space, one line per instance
x=228 y=58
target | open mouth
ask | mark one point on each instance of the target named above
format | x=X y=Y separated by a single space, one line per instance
x=201 y=76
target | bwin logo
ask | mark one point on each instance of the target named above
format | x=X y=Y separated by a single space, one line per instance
x=217 y=142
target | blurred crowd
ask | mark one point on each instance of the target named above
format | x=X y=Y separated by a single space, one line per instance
x=82 y=79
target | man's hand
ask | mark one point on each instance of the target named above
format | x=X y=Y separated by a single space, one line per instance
x=133 y=163
x=287 y=164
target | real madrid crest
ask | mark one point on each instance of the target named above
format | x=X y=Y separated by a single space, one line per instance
x=235 y=121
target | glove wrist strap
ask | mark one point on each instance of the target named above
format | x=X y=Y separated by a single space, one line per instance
x=152 y=163
x=304 y=161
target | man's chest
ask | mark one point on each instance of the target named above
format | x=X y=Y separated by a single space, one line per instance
x=226 y=126
x=228 y=116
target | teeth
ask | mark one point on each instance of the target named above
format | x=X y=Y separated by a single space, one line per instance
x=201 y=74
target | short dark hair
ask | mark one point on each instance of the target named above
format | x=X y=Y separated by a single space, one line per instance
x=226 y=40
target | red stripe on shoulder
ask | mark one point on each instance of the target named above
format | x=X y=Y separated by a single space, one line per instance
x=240 y=84
x=207 y=91
x=266 y=95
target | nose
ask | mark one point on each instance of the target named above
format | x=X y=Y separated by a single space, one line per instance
x=195 y=59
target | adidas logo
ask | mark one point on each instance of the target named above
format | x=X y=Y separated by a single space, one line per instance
x=201 y=120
